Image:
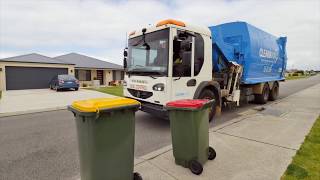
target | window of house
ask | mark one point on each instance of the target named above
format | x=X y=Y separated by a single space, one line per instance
x=76 y=73
x=84 y=75
x=198 y=53
x=122 y=75
x=117 y=75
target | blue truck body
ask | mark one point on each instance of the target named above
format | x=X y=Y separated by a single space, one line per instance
x=262 y=55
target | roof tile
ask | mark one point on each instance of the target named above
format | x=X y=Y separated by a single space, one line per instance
x=34 y=58
x=82 y=61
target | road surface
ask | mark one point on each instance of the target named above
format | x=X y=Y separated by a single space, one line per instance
x=44 y=146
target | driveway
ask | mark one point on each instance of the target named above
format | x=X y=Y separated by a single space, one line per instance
x=16 y=102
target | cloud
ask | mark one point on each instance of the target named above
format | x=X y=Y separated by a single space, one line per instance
x=98 y=28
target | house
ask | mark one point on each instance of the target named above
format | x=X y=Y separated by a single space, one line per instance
x=35 y=71
x=30 y=71
x=88 y=69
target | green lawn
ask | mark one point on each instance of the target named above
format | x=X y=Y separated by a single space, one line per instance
x=113 y=90
x=296 y=77
x=306 y=163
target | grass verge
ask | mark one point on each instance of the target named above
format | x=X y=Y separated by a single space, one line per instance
x=306 y=163
x=296 y=77
x=113 y=90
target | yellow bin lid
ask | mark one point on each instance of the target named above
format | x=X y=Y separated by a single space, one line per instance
x=94 y=105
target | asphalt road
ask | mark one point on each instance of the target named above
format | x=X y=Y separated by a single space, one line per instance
x=44 y=146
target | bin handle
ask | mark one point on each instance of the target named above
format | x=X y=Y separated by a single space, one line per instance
x=97 y=113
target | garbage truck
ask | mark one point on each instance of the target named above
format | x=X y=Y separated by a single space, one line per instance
x=232 y=63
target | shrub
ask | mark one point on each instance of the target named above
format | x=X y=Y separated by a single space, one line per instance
x=84 y=85
x=300 y=72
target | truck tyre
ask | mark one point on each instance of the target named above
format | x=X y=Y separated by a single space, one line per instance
x=262 y=98
x=208 y=94
x=274 y=92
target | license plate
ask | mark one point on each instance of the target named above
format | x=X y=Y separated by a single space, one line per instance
x=138 y=87
x=69 y=82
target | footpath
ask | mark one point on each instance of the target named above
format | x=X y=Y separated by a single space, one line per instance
x=257 y=145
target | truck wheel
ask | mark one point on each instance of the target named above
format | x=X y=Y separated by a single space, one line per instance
x=208 y=94
x=274 y=92
x=262 y=98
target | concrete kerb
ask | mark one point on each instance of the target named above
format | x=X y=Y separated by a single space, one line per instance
x=156 y=153
x=32 y=111
x=42 y=100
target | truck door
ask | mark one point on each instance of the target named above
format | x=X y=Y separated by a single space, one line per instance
x=183 y=82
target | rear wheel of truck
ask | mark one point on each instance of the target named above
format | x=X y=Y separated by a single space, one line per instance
x=274 y=92
x=208 y=94
x=262 y=98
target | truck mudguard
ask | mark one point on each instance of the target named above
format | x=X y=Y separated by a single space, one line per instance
x=210 y=85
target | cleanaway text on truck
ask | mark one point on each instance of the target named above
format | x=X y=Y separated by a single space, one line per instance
x=231 y=63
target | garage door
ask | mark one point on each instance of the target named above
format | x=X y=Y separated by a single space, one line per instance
x=30 y=77
x=118 y=75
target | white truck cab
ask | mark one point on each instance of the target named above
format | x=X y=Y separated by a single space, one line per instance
x=167 y=62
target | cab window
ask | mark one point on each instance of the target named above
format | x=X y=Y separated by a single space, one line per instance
x=198 y=53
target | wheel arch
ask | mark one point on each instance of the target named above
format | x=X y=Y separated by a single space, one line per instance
x=258 y=88
x=274 y=83
x=215 y=88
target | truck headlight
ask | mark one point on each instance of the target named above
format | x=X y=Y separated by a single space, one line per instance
x=124 y=83
x=158 y=87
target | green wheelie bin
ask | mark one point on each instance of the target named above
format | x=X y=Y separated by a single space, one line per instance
x=105 y=130
x=190 y=133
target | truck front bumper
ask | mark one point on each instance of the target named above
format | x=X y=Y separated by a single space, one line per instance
x=154 y=109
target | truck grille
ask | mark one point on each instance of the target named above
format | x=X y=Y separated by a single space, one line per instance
x=140 y=94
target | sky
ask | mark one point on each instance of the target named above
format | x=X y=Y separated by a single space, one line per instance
x=98 y=28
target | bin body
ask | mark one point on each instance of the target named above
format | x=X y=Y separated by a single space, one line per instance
x=190 y=133
x=106 y=143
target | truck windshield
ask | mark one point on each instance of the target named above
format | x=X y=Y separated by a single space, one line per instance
x=149 y=57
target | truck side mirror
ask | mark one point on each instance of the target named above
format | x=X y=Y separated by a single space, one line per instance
x=125 y=52
x=185 y=35
x=184 y=40
x=186 y=45
x=125 y=57
x=176 y=45
x=125 y=63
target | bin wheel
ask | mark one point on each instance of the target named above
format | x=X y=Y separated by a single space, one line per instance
x=137 y=176
x=211 y=154
x=195 y=167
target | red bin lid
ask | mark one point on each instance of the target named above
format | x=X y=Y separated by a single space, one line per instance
x=188 y=103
